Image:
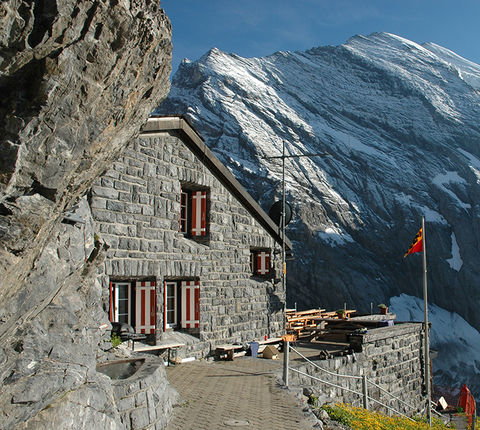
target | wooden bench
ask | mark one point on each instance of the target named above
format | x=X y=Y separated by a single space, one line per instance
x=229 y=351
x=160 y=347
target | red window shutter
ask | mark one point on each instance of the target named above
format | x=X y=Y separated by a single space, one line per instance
x=145 y=307
x=111 y=302
x=199 y=213
x=263 y=263
x=190 y=316
x=267 y=262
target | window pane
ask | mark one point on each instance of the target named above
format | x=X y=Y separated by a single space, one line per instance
x=122 y=306
x=122 y=291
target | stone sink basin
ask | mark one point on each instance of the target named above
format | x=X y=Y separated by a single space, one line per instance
x=120 y=369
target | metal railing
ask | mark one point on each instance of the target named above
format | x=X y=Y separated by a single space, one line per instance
x=364 y=394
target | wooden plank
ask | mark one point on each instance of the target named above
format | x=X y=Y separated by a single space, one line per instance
x=157 y=347
x=270 y=340
x=309 y=311
x=295 y=319
x=228 y=347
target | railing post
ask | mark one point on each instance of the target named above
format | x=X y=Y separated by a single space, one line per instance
x=286 y=352
x=365 y=391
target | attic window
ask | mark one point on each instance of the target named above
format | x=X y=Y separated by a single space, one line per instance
x=193 y=217
x=261 y=262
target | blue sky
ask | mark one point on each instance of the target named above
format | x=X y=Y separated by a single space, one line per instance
x=256 y=28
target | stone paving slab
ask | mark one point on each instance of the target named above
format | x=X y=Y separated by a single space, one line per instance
x=243 y=393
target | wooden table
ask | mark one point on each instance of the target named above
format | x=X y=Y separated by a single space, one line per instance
x=159 y=347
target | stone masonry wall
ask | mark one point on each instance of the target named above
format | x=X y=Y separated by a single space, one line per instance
x=136 y=205
x=391 y=357
x=145 y=400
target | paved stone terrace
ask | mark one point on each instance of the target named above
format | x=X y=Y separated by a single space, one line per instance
x=243 y=393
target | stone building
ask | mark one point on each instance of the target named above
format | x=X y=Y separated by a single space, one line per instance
x=190 y=251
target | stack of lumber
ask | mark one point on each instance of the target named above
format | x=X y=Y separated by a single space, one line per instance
x=301 y=323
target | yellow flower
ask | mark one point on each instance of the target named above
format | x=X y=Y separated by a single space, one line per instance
x=362 y=419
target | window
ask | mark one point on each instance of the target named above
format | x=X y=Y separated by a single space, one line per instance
x=260 y=262
x=134 y=303
x=183 y=212
x=193 y=212
x=181 y=305
x=171 y=304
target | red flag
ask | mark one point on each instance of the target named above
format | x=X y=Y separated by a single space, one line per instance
x=417 y=244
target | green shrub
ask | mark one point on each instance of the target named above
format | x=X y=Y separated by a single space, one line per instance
x=115 y=340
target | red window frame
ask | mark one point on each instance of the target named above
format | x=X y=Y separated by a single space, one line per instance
x=193 y=213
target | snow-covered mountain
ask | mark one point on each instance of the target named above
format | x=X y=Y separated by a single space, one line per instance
x=400 y=122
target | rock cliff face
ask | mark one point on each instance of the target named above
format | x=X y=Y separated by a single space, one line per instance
x=78 y=79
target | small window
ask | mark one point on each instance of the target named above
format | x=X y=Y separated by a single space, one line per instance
x=193 y=212
x=182 y=305
x=260 y=262
x=183 y=212
x=171 y=299
x=134 y=303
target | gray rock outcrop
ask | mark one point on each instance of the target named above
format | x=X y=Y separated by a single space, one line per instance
x=78 y=80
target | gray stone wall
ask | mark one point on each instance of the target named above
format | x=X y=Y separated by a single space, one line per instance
x=145 y=400
x=136 y=205
x=391 y=358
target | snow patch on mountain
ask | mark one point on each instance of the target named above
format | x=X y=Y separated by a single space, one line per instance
x=474 y=163
x=457 y=342
x=334 y=236
x=429 y=214
x=456 y=261
x=442 y=179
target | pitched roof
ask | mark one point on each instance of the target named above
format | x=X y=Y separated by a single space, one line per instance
x=191 y=138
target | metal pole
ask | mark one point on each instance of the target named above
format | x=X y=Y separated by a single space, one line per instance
x=282 y=225
x=284 y=264
x=365 y=391
x=286 y=352
x=426 y=328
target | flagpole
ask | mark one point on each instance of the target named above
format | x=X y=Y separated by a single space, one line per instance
x=426 y=328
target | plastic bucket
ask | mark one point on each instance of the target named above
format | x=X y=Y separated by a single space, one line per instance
x=254 y=349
